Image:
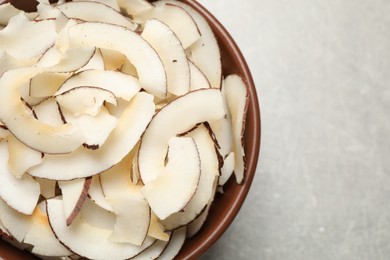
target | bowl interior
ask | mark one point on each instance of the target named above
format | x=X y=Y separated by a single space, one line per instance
x=226 y=205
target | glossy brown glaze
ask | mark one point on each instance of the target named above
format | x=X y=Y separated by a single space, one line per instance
x=226 y=206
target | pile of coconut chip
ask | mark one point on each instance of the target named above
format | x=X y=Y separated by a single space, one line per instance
x=116 y=127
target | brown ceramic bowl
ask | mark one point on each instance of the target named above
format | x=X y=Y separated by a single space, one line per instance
x=227 y=205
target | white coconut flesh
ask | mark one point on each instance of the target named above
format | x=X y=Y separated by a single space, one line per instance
x=34 y=37
x=186 y=30
x=88 y=241
x=176 y=242
x=177 y=117
x=96 y=194
x=69 y=61
x=237 y=102
x=227 y=168
x=20 y=120
x=48 y=112
x=8 y=62
x=101 y=13
x=17 y=224
x=132 y=219
x=205 y=52
x=120 y=84
x=84 y=162
x=153 y=252
x=157 y=230
x=74 y=194
x=97 y=216
x=198 y=79
x=209 y=172
x=17 y=150
x=85 y=100
x=134 y=7
x=141 y=55
x=7 y=11
x=42 y=237
x=177 y=183
x=19 y=193
x=172 y=54
x=47 y=187
x=47 y=83
x=111 y=3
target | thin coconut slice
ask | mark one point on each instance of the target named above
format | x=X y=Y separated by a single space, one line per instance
x=113 y=60
x=172 y=54
x=198 y=79
x=96 y=128
x=21 y=157
x=153 y=252
x=135 y=7
x=95 y=63
x=222 y=129
x=132 y=219
x=7 y=11
x=101 y=13
x=121 y=85
x=85 y=100
x=88 y=241
x=186 y=30
x=17 y=224
x=47 y=11
x=129 y=69
x=72 y=59
x=83 y=163
x=116 y=181
x=42 y=237
x=111 y=3
x=96 y=194
x=177 y=117
x=74 y=194
x=49 y=112
x=205 y=51
x=176 y=242
x=176 y=184
x=34 y=37
x=96 y=216
x=20 y=120
x=47 y=187
x=237 y=102
x=157 y=230
x=194 y=227
x=209 y=172
x=47 y=83
x=21 y=194
x=141 y=54
x=8 y=62
x=227 y=169
x=3 y=231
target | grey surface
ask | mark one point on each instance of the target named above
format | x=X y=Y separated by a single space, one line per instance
x=322 y=188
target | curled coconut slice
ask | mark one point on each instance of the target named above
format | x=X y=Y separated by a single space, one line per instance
x=83 y=162
x=141 y=54
x=135 y=7
x=120 y=84
x=85 y=100
x=177 y=117
x=20 y=120
x=186 y=30
x=176 y=183
x=34 y=37
x=21 y=194
x=88 y=241
x=172 y=54
x=205 y=51
x=237 y=101
x=101 y=13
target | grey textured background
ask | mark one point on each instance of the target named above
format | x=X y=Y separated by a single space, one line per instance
x=322 y=188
